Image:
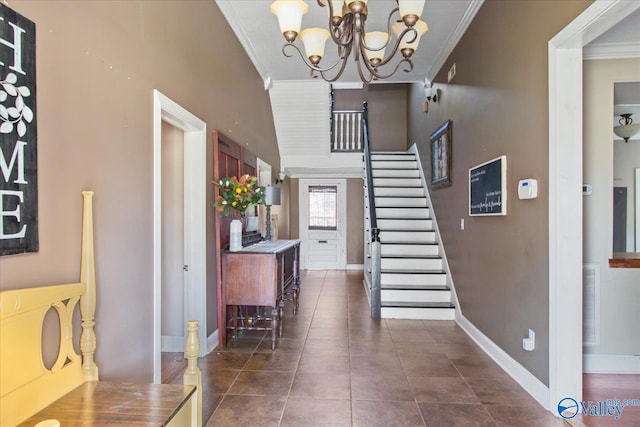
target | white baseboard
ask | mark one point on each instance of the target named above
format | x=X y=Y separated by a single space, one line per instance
x=610 y=364
x=515 y=370
x=355 y=266
x=212 y=341
x=172 y=344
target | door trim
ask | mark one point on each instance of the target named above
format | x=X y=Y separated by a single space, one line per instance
x=565 y=196
x=342 y=217
x=195 y=150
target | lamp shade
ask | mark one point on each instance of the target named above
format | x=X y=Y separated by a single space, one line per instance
x=272 y=196
x=376 y=41
x=289 y=15
x=314 y=40
x=627 y=129
x=421 y=27
x=337 y=6
x=626 y=132
x=411 y=7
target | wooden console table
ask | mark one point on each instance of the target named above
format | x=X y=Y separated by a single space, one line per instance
x=105 y=404
x=262 y=275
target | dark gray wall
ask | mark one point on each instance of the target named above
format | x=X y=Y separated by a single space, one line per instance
x=498 y=102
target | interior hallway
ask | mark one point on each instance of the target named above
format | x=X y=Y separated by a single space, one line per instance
x=335 y=366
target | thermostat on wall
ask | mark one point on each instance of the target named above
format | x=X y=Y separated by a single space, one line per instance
x=528 y=188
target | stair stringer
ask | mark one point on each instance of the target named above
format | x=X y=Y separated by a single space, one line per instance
x=445 y=262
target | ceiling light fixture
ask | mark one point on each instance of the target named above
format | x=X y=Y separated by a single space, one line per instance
x=347 y=30
x=626 y=129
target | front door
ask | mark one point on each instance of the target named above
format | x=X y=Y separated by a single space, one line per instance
x=322 y=224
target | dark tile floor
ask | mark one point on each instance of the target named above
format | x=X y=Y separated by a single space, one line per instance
x=334 y=366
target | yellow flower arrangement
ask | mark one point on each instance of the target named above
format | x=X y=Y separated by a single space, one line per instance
x=239 y=194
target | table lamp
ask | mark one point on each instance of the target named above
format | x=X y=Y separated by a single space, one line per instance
x=271 y=198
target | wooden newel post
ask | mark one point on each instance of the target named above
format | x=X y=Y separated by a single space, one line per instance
x=88 y=299
x=192 y=375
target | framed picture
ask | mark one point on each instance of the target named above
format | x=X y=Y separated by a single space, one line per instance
x=441 y=156
x=488 y=188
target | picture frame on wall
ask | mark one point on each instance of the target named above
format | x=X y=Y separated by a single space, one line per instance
x=441 y=141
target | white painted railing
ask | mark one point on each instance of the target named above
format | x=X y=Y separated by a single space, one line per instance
x=346 y=131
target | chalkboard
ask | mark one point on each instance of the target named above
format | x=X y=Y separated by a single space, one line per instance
x=488 y=188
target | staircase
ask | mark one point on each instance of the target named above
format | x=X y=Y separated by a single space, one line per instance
x=414 y=283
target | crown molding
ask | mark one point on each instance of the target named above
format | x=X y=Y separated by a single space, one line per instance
x=612 y=51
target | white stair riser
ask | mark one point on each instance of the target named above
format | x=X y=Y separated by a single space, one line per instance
x=418 y=264
x=396 y=182
x=396 y=173
x=410 y=225
x=418 y=250
x=418 y=313
x=403 y=213
x=413 y=279
x=398 y=192
x=405 y=236
x=394 y=167
x=397 y=295
x=393 y=157
x=407 y=202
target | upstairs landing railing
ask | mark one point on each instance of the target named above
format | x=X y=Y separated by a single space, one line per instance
x=347 y=131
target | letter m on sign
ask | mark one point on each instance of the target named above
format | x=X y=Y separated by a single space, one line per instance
x=18 y=134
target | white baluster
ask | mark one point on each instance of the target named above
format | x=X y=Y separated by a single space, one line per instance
x=342 y=132
x=359 y=132
x=335 y=131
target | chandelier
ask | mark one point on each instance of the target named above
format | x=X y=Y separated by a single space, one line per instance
x=347 y=30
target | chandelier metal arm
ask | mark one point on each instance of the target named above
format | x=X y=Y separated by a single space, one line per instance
x=374 y=73
x=316 y=69
x=408 y=61
x=338 y=74
x=394 y=50
x=343 y=34
x=341 y=38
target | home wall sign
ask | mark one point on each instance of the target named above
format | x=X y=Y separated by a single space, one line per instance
x=18 y=134
x=488 y=188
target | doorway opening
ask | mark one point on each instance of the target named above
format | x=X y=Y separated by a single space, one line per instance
x=565 y=195
x=194 y=219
